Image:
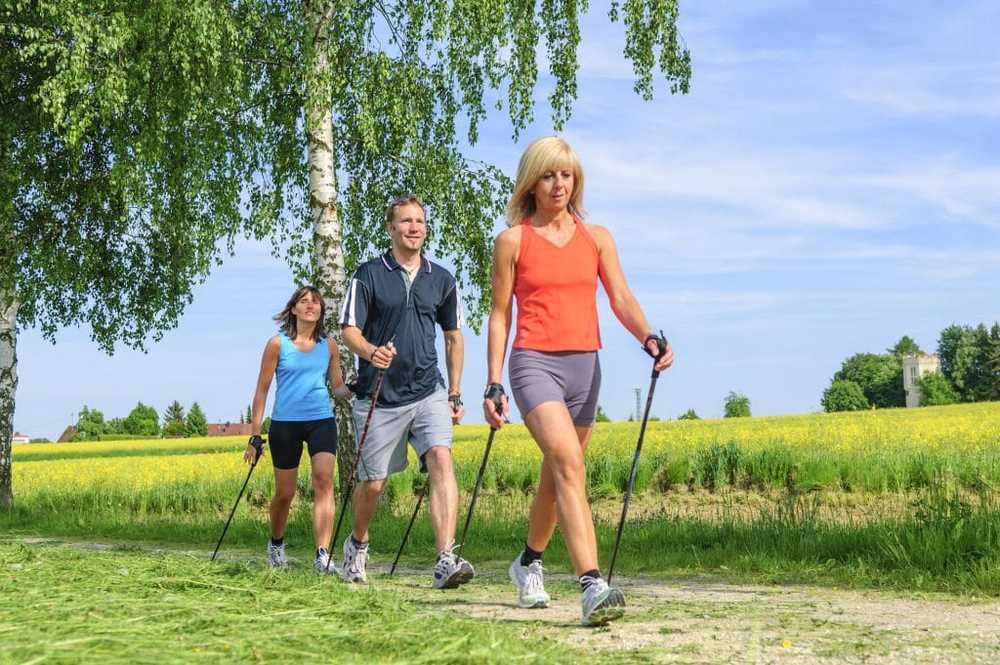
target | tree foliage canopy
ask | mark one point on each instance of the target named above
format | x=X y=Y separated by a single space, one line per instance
x=197 y=423
x=737 y=405
x=844 y=395
x=142 y=421
x=125 y=153
x=880 y=377
x=935 y=390
x=410 y=82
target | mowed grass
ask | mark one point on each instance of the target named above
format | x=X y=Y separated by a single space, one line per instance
x=927 y=480
x=61 y=605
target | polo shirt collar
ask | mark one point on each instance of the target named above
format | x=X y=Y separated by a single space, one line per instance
x=390 y=262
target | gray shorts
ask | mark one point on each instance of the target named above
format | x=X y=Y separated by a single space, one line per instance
x=425 y=424
x=571 y=377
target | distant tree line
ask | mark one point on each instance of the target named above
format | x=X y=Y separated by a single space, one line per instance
x=970 y=372
x=142 y=422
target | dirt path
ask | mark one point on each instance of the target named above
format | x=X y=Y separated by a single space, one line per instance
x=703 y=621
x=697 y=621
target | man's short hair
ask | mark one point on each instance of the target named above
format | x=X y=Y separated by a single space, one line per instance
x=409 y=199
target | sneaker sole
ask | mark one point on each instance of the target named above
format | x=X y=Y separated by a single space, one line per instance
x=611 y=609
x=541 y=603
x=457 y=579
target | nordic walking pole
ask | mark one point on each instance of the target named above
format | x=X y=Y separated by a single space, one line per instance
x=496 y=396
x=357 y=458
x=258 y=444
x=662 y=344
x=420 y=500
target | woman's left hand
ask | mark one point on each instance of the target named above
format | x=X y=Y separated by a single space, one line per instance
x=653 y=348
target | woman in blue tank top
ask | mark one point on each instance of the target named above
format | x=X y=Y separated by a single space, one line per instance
x=305 y=361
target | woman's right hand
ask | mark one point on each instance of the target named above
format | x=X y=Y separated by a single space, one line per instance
x=255 y=446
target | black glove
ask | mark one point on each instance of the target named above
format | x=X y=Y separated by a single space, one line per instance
x=661 y=344
x=495 y=392
x=258 y=443
x=455 y=401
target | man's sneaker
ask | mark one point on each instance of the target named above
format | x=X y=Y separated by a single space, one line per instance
x=601 y=604
x=354 y=569
x=529 y=582
x=323 y=565
x=451 y=570
x=276 y=555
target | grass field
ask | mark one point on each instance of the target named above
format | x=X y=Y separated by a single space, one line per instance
x=902 y=500
x=905 y=498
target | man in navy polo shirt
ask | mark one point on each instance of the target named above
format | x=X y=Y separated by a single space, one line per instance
x=393 y=307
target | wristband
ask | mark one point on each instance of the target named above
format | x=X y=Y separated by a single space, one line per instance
x=455 y=401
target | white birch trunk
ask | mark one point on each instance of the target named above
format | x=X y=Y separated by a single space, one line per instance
x=8 y=390
x=328 y=247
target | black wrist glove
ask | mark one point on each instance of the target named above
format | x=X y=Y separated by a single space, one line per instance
x=661 y=344
x=495 y=393
x=455 y=401
x=258 y=443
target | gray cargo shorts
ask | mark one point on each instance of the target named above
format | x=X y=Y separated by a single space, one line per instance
x=424 y=424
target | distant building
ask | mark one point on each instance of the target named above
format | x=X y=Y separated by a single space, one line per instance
x=67 y=434
x=230 y=429
x=20 y=438
x=916 y=365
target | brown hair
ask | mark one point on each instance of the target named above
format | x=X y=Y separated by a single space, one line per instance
x=287 y=320
x=390 y=210
x=545 y=154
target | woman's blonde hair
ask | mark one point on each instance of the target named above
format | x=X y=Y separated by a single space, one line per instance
x=550 y=153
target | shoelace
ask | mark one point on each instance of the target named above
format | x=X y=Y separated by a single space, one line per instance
x=360 y=560
x=533 y=581
x=442 y=565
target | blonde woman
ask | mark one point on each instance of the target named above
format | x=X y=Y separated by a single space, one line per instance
x=549 y=261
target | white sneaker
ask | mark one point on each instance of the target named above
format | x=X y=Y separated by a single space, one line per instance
x=276 y=555
x=529 y=582
x=354 y=569
x=323 y=565
x=451 y=571
x=601 y=604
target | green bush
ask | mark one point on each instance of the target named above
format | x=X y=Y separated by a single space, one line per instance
x=844 y=395
x=936 y=390
x=737 y=405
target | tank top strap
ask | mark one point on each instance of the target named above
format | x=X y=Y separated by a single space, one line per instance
x=585 y=234
x=527 y=235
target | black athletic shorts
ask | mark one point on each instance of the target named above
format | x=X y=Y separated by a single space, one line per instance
x=286 y=438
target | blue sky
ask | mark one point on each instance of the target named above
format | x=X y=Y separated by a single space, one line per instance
x=830 y=184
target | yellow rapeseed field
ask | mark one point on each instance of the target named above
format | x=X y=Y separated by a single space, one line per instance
x=826 y=448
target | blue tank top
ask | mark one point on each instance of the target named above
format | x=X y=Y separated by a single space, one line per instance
x=301 y=392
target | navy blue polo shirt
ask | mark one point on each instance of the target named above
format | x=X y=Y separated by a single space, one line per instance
x=379 y=302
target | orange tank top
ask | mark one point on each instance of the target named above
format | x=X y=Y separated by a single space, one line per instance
x=556 y=292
